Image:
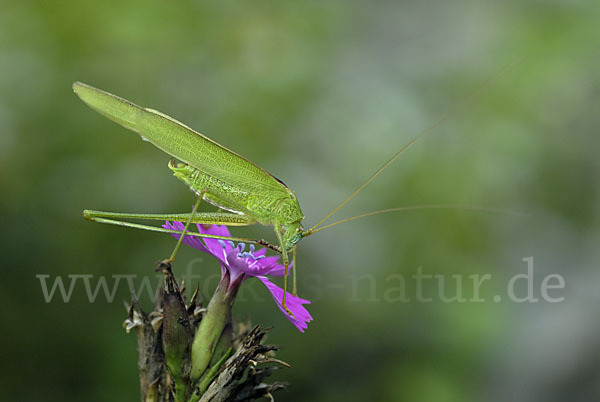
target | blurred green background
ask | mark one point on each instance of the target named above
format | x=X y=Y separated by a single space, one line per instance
x=319 y=93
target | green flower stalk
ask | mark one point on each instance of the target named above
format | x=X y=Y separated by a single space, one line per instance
x=212 y=327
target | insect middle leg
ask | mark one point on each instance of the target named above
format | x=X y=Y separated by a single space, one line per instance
x=187 y=224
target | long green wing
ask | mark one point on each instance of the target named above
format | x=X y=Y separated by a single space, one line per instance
x=180 y=141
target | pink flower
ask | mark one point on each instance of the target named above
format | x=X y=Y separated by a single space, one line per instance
x=241 y=265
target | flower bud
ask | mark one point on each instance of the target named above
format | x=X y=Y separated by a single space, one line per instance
x=177 y=332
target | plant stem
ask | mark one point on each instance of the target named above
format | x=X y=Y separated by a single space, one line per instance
x=217 y=316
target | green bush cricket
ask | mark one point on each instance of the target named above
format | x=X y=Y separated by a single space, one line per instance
x=248 y=193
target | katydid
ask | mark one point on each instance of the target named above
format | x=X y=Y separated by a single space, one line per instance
x=221 y=177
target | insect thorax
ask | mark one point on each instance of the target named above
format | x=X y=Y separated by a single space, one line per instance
x=288 y=210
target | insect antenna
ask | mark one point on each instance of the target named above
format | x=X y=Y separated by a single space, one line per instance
x=467 y=99
x=414 y=207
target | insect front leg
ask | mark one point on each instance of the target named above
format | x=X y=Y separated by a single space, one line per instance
x=286 y=264
x=294 y=289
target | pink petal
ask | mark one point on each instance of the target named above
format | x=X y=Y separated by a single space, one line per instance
x=216 y=245
x=191 y=241
x=278 y=269
x=260 y=251
x=294 y=303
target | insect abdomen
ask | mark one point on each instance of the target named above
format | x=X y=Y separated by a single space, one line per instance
x=227 y=196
